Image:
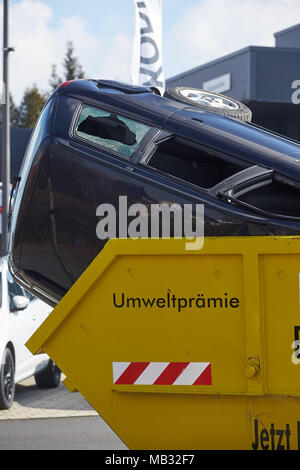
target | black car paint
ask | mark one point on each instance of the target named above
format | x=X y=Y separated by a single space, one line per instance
x=53 y=229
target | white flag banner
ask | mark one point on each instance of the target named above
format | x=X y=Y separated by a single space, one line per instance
x=147 y=67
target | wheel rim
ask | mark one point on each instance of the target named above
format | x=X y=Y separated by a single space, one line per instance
x=209 y=99
x=8 y=379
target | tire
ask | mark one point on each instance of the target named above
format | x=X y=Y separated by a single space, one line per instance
x=7 y=381
x=211 y=102
x=48 y=377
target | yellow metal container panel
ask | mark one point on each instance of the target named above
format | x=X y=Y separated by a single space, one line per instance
x=180 y=349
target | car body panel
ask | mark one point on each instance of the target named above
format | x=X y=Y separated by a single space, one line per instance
x=17 y=326
x=64 y=179
x=244 y=141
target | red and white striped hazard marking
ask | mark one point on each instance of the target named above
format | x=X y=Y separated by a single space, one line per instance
x=162 y=373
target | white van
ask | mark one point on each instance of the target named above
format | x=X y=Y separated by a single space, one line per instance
x=20 y=315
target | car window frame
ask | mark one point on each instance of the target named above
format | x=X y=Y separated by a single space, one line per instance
x=249 y=176
x=222 y=190
x=258 y=175
x=148 y=138
x=165 y=136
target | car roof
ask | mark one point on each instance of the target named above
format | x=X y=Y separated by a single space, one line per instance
x=242 y=140
x=136 y=102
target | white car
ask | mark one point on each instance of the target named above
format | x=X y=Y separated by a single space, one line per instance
x=20 y=315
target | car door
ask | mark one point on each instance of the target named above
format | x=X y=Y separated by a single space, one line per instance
x=264 y=192
x=37 y=311
x=21 y=325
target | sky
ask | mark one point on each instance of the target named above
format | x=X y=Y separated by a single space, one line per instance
x=102 y=31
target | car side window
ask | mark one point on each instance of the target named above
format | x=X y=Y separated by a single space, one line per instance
x=13 y=290
x=275 y=195
x=192 y=163
x=29 y=295
x=112 y=131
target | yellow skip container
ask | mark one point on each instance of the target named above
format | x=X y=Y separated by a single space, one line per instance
x=180 y=349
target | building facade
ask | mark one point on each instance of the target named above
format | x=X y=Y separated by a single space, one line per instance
x=19 y=138
x=267 y=79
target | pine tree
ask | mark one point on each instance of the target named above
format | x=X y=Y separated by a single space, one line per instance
x=71 y=66
x=31 y=106
x=14 y=113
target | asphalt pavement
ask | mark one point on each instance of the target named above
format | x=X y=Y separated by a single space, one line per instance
x=84 y=433
x=53 y=419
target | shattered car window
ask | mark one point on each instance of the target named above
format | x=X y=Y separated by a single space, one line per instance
x=110 y=130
